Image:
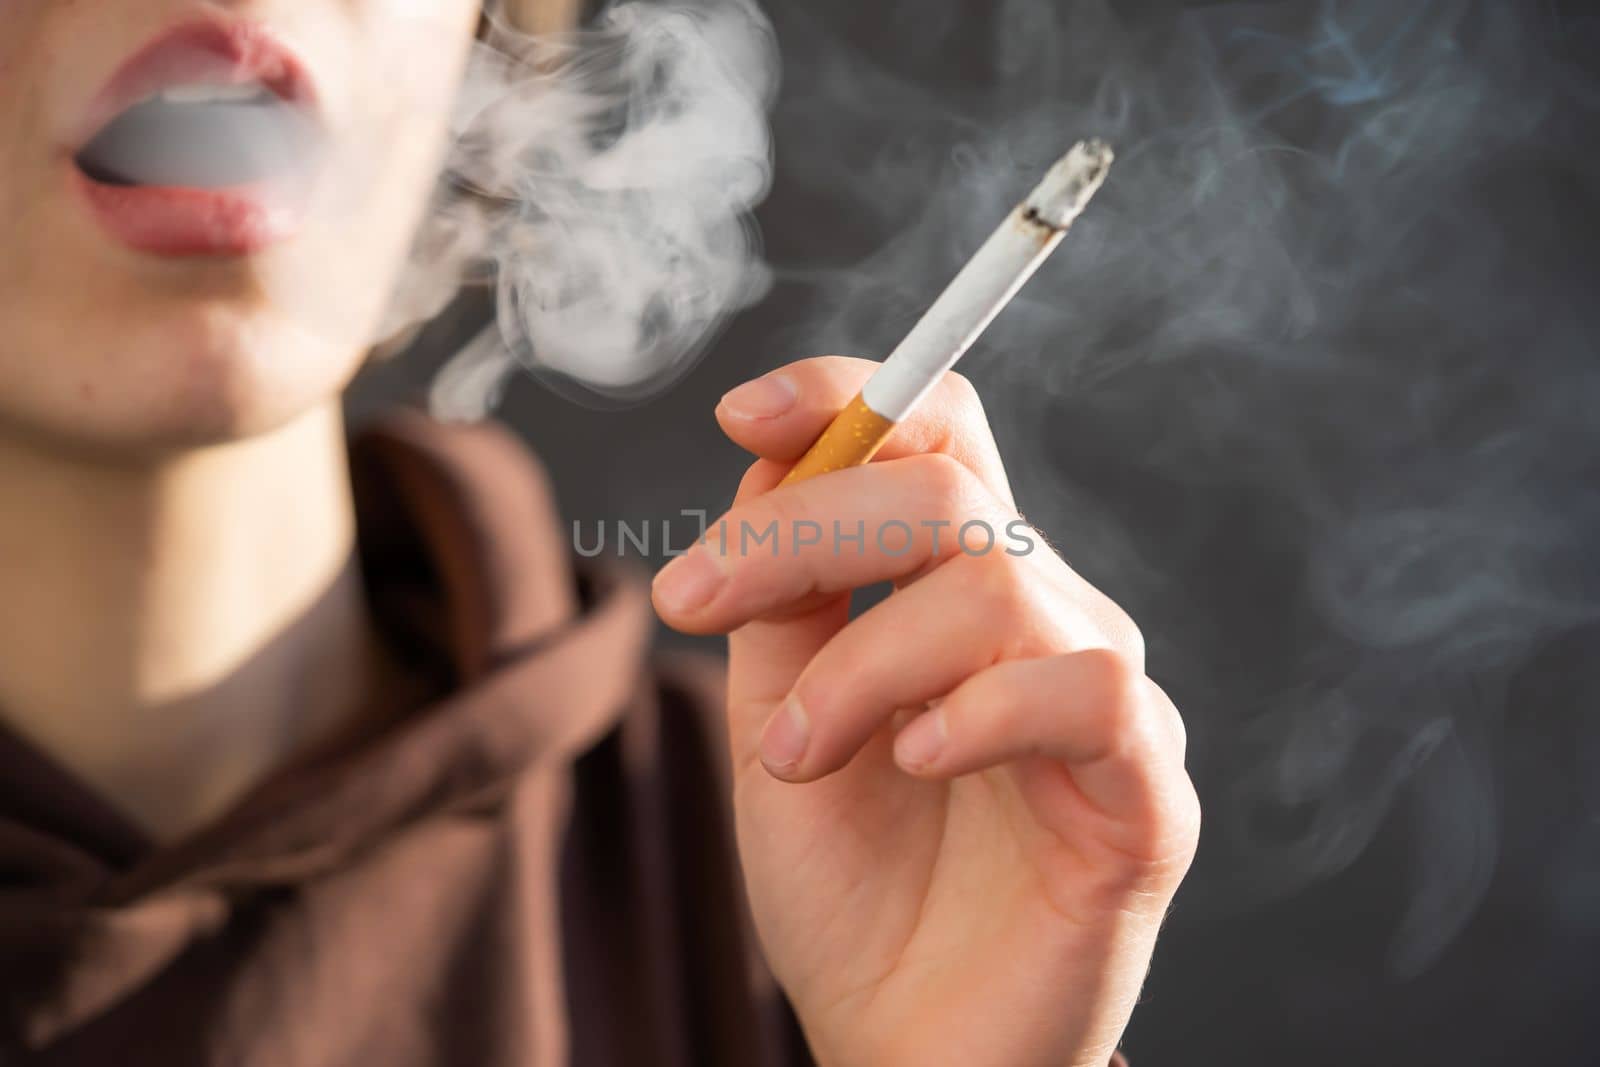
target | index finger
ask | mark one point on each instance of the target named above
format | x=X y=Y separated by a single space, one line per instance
x=780 y=415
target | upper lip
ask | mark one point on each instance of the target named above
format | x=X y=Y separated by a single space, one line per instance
x=205 y=51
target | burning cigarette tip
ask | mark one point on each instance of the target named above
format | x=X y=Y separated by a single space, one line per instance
x=1071 y=184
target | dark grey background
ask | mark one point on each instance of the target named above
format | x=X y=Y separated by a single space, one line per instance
x=1313 y=391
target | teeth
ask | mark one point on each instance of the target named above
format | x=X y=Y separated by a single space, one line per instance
x=250 y=92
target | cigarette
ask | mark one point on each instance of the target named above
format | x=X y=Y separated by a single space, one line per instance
x=989 y=281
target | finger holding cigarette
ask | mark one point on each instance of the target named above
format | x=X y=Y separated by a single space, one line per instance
x=776 y=416
x=780 y=415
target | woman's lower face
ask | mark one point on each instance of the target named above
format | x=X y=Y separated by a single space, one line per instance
x=204 y=206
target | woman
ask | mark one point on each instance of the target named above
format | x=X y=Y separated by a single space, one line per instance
x=326 y=752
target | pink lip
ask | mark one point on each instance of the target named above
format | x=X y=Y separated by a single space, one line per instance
x=209 y=51
x=179 y=221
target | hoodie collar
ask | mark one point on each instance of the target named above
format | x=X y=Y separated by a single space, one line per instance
x=528 y=658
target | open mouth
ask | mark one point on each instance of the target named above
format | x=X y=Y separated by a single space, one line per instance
x=204 y=143
x=202 y=136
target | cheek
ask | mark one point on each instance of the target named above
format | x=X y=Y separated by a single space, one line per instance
x=13 y=114
x=12 y=29
x=390 y=147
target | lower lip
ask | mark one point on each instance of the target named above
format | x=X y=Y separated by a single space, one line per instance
x=183 y=222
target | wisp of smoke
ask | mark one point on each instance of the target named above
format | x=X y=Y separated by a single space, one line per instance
x=602 y=180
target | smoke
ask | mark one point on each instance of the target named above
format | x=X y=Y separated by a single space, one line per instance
x=602 y=179
x=1309 y=388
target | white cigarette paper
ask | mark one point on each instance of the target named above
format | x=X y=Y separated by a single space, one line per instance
x=989 y=281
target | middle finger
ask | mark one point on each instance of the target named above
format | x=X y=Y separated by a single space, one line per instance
x=913 y=647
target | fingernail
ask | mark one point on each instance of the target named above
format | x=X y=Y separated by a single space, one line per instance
x=689 y=582
x=919 y=744
x=765 y=398
x=783 y=742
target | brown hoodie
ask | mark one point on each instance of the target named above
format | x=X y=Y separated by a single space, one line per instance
x=534 y=867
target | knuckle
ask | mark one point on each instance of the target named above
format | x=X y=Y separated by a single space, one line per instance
x=966 y=394
x=1125 y=712
x=1109 y=619
x=1170 y=716
x=765 y=546
x=1156 y=847
x=1184 y=818
x=1153 y=858
x=1173 y=835
x=832 y=683
x=1180 y=731
x=735 y=537
x=845 y=368
x=946 y=481
x=1003 y=587
x=1123 y=633
x=784 y=509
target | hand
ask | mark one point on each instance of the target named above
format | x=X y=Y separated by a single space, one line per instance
x=963 y=815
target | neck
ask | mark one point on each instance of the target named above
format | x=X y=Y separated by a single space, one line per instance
x=175 y=630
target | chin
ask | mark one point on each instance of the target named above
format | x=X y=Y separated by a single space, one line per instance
x=229 y=378
x=188 y=379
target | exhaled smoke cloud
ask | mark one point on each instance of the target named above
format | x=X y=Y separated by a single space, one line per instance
x=1306 y=389
x=603 y=180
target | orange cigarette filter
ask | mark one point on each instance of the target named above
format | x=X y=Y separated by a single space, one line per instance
x=852 y=439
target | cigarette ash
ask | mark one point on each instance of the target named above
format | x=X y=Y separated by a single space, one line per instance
x=1071 y=184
